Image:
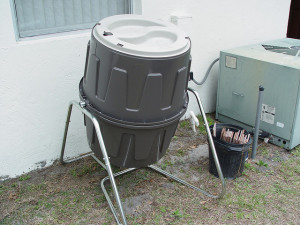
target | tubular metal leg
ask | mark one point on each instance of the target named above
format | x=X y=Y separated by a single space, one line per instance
x=112 y=208
x=156 y=169
x=65 y=134
x=211 y=143
x=62 y=161
x=107 y=166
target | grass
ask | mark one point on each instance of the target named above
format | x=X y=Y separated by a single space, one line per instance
x=180 y=152
x=249 y=166
x=262 y=163
x=86 y=169
x=163 y=209
x=185 y=124
x=296 y=151
x=166 y=164
x=175 y=138
x=177 y=213
x=25 y=177
x=263 y=151
x=71 y=195
x=210 y=121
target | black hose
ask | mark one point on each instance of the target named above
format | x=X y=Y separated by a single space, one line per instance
x=207 y=73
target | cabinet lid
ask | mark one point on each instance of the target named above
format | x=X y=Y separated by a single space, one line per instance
x=284 y=52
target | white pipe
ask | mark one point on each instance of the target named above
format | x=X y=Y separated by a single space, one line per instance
x=194 y=121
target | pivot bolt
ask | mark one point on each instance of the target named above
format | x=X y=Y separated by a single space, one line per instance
x=82 y=104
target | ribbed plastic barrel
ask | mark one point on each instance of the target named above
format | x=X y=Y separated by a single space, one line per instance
x=135 y=81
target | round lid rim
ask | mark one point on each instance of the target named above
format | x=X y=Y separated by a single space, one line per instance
x=180 y=45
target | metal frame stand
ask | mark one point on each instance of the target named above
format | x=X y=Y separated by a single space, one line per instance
x=111 y=176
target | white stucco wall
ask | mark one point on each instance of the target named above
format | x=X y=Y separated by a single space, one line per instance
x=39 y=77
x=217 y=25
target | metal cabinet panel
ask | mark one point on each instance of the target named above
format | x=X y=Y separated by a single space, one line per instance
x=242 y=70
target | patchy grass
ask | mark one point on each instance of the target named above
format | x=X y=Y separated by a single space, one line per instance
x=166 y=164
x=266 y=193
x=263 y=150
x=262 y=163
x=210 y=121
x=25 y=177
x=184 y=124
x=180 y=152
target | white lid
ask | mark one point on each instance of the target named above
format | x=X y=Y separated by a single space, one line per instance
x=140 y=36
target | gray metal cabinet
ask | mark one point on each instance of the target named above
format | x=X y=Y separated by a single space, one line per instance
x=276 y=66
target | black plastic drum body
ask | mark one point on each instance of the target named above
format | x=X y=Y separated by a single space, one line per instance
x=130 y=145
x=137 y=101
x=132 y=88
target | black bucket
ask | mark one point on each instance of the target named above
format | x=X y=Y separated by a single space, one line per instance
x=231 y=156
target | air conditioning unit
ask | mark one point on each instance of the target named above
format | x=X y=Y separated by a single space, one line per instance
x=276 y=66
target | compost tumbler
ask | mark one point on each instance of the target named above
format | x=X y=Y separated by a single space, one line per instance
x=135 y=83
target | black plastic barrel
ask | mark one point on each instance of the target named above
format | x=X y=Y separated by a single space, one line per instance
x=231 y=156
x=137 y=94
x=130 y=144
x=132 y=88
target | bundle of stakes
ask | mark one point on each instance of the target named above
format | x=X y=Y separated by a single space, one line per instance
x=238 y=137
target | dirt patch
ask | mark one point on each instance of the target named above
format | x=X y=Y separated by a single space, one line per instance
x=132 y=204
x=267 y=192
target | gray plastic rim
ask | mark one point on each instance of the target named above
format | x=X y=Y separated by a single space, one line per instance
x=131 y=125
